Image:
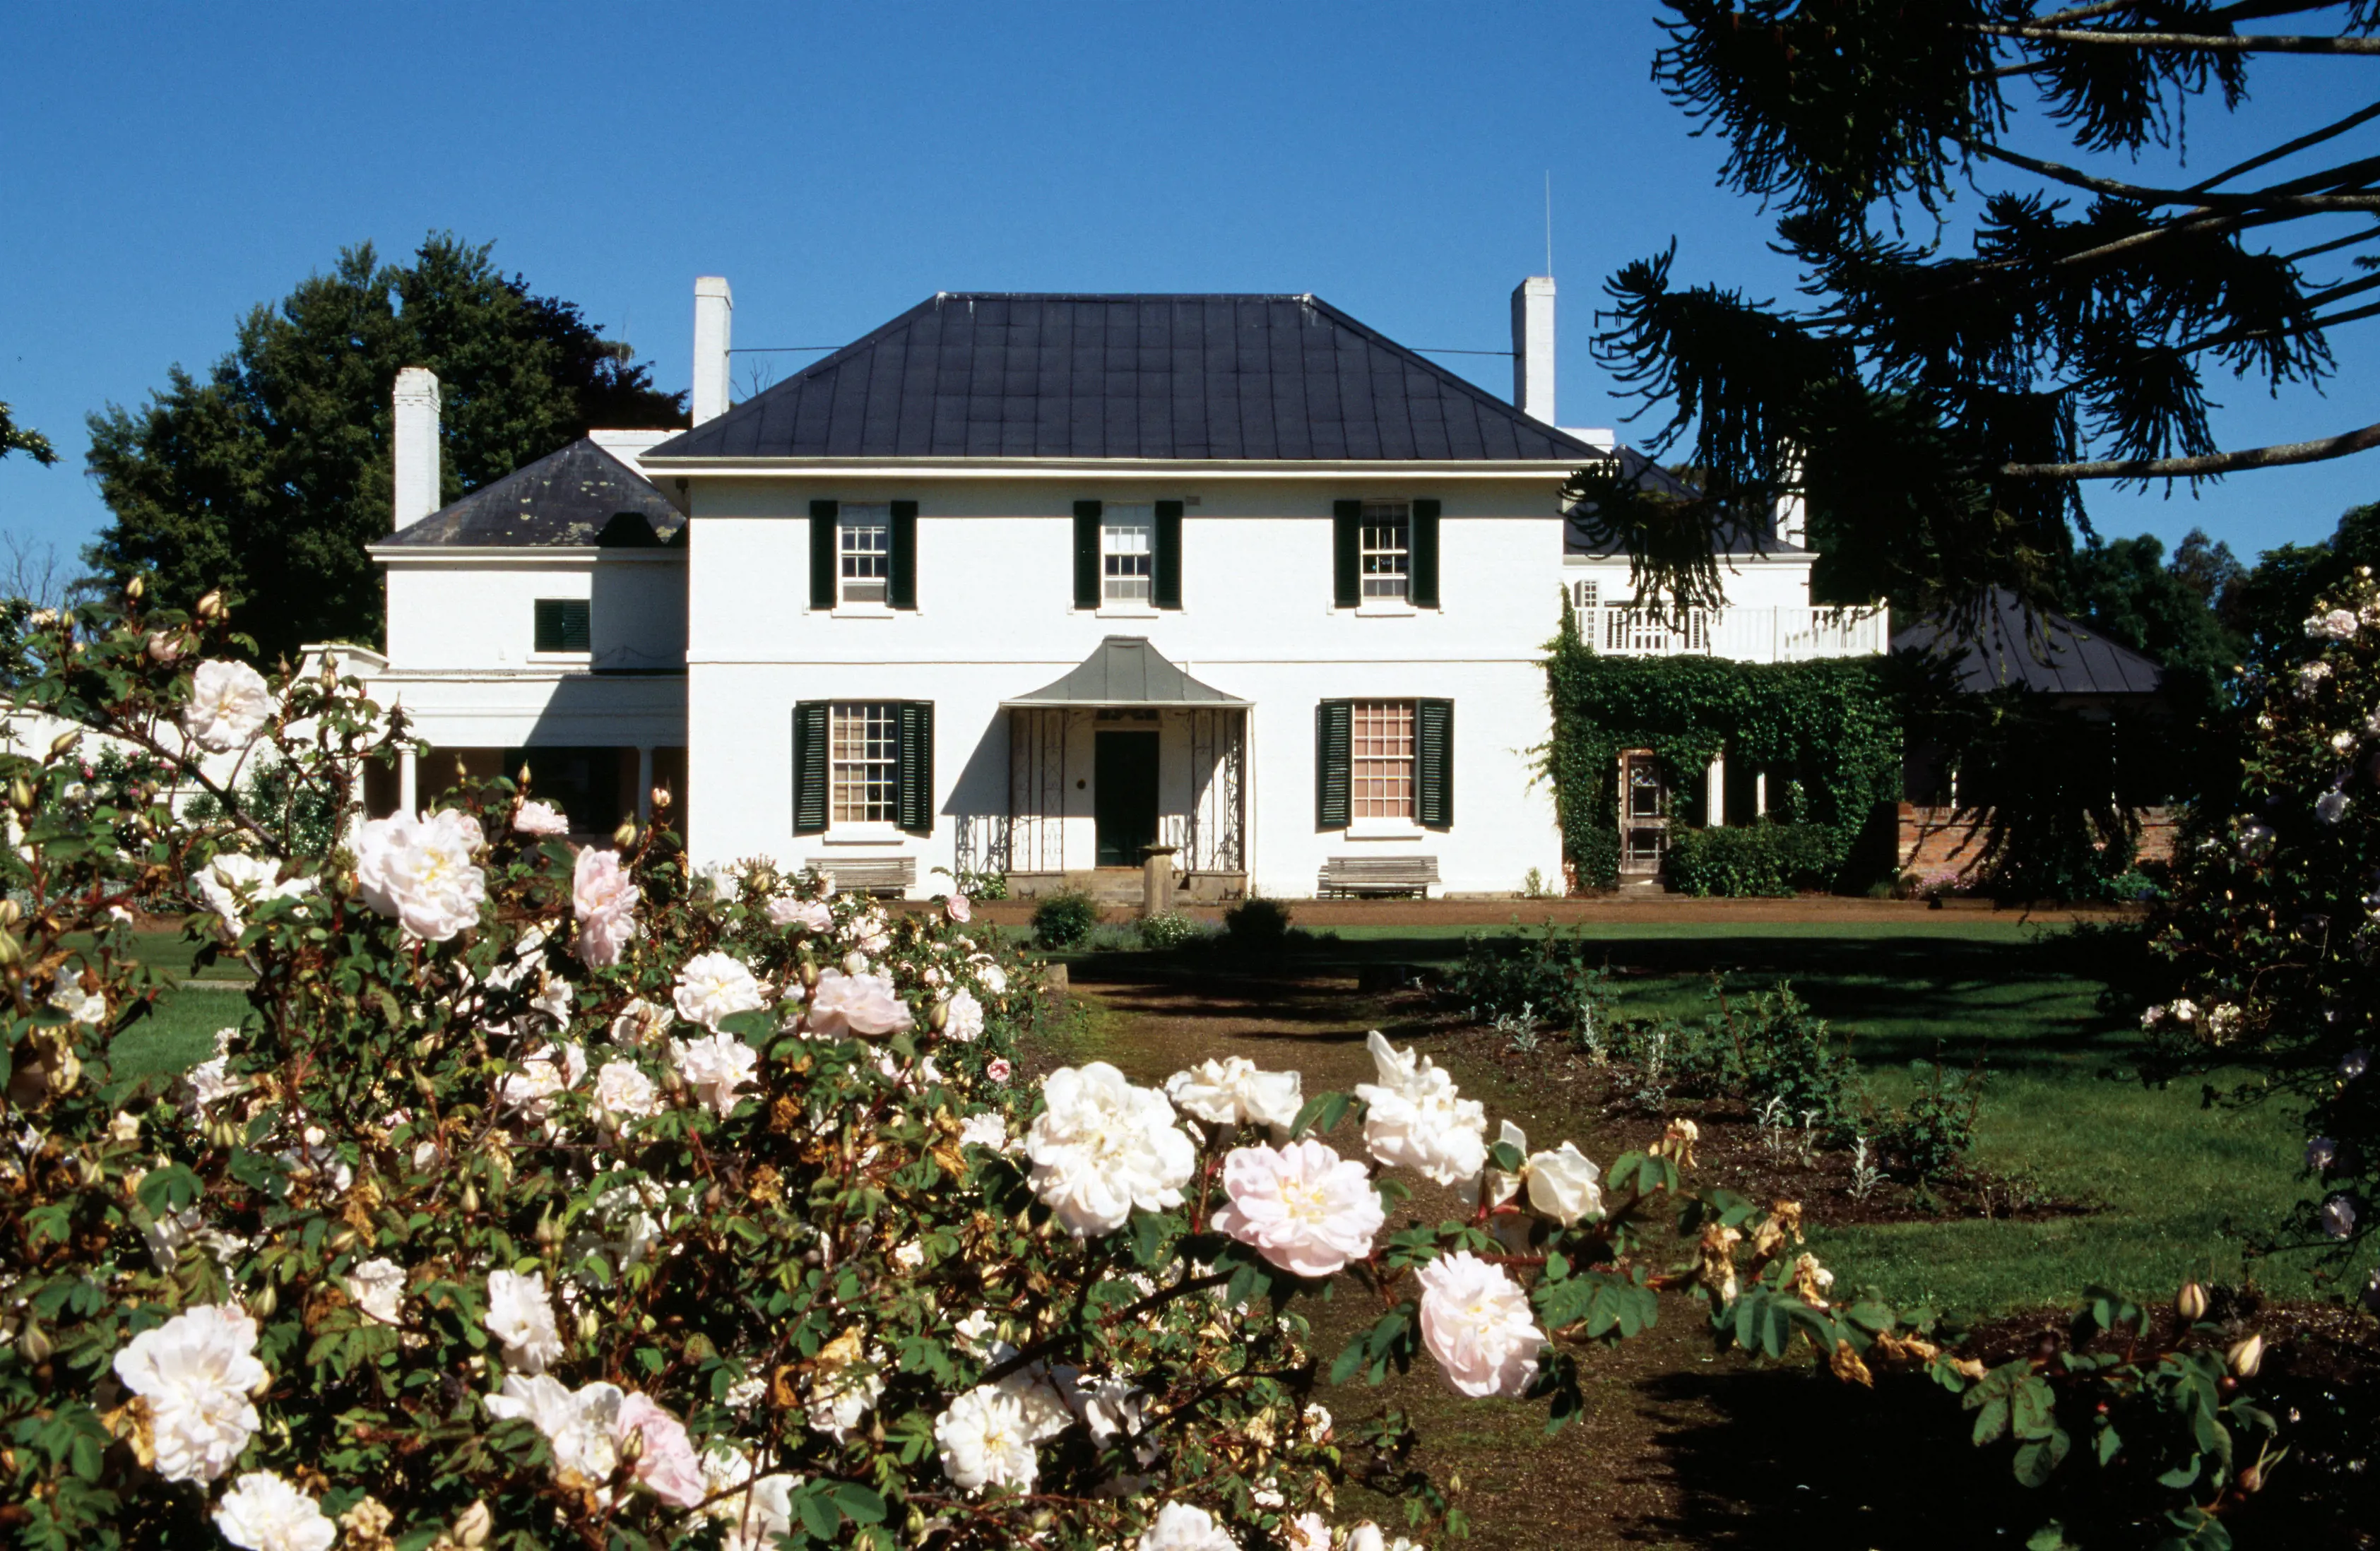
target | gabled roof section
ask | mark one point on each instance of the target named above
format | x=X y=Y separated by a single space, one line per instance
x=578 y=496
x=972 y=375
x=1127 y=671
x=2047 y=654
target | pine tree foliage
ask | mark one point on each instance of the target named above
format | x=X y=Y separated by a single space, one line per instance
x=269 y=473
x=1941 y=408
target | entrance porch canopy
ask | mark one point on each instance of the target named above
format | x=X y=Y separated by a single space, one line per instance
x=1126 y=672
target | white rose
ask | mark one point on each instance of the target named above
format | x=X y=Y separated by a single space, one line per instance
x=1415 y=1118
x=1562 y=1185
x=230 y=706
x=581 y=1426
x=623 y=1093
x=377 y=1287
x=197 y=1371
x=1232 y=1091
x=641 y=1022
x=420 y=870
x=1182 y=1527
x=963 y=1018
x=1100 y=1148
x=521 y=1316
x=231 y=884
x=715 y=1066
x=262 y=1512
x=540 y=819
x=715 y=986
x=981 y=1437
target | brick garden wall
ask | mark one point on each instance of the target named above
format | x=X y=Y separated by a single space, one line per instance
x=1939 y=840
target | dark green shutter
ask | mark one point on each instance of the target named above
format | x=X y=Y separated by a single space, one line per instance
x=1434 y=763
x=915 y=807
x=901 y=587
x=822 y=555
x=1346 y=553
x=1086 y=554
x=1167 y=592
x=809 y=767
x=564 y=624
x=1424 y=540
x=1334 y=725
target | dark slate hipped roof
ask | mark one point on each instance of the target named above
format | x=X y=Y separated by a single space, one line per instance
x=2049 y=654
x=1127 y=671
x=1240 y=377
x=574 y=496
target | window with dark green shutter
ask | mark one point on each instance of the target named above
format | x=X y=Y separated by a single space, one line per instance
x=1086 y=554
x=1424 y=558
x=917 y=800
x=564 y=624
x=822 y=554
x=1346 y=563
x=1167 y=594
x=810 y=737
x=1434 y=763
x=1334 y=721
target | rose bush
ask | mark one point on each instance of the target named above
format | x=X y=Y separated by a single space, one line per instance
x=557 y=1197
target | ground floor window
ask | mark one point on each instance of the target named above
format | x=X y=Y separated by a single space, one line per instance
x=866 y=762
x=1382 y=749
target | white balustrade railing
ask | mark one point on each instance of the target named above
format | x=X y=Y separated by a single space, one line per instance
x=1754 y=634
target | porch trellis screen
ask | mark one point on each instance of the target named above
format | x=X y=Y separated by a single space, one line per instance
x=1208 y=835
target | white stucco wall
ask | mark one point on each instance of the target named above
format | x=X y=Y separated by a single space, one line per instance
x=475 y=608
x=995 y=621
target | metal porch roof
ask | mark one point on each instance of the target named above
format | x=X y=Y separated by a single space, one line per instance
x=1127 y=671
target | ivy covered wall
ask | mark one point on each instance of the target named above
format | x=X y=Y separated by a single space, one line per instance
x=1827 y=733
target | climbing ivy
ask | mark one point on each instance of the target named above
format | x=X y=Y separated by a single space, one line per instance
x=1827 y=732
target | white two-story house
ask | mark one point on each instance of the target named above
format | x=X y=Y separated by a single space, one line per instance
x=1032 y=584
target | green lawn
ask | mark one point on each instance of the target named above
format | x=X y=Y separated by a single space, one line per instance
x=2178 y=1187
x=179 y=1035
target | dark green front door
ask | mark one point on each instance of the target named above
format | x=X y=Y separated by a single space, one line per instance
x=1123 y=778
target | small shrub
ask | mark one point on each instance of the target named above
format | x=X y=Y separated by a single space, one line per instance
x=1064 y=918
x=1158 y=933
x=1548 y=975
x=1931 y=1138
x=1258 y=922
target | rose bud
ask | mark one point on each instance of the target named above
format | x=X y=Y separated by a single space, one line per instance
x=626 y=835
x=2190 y=1303
x=134 y=588
x=2246 y=1356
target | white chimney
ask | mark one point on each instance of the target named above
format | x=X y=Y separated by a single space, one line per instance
x=1532 y=347
x=714 y=312
x=416 y=444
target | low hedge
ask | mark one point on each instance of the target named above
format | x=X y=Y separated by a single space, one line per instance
x=1754 y=860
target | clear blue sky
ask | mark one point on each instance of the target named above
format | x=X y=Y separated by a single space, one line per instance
x=169 y=166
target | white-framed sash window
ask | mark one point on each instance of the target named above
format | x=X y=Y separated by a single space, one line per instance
x=1127 y=552
x=864 y=552
x=864 y=763
x=1380 y=748
x=1386 y=546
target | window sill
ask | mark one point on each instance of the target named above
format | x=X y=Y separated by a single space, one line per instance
x=865 y=835
x=865 y=611
x=1390 y=829
x=1384 y=610
x=1129 y=610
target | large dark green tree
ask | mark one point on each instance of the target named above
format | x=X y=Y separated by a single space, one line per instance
x=268 y=474
x=15 y=438
x=1987 y=330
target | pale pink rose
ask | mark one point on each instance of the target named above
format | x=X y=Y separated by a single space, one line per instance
x=957 y=908
x=606 y=903
x=541 y=818
x=668 y=1467
x=1476 y=1322
x=811 y=915
x=1302 y=1206
x=998 y=1069
x=859 y=1004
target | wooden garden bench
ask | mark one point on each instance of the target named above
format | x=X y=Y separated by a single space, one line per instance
x=869 y=875
x=1377 y=875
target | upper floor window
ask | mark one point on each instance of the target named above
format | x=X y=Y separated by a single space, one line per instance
x=866 y=762
x=863 y=545
x=1587 y=594
x=1384 y=555
x=1387 y=549
x=564 y=624
x=1381 y=784
x=864 y=554
x=1127 y=551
